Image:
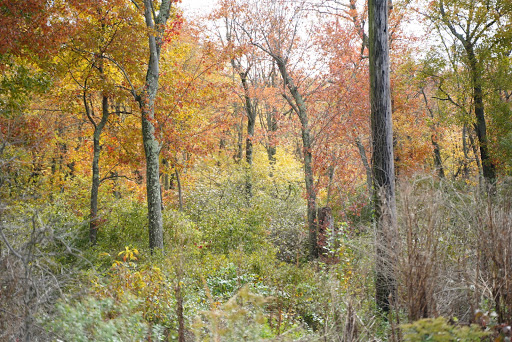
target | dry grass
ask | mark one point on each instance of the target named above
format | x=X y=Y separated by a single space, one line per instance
x=455 y=251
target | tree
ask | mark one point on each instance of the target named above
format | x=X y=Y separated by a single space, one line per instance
x=92 y=51
x=382 y=152
x=475 y=25
x=255 y=81
x=89 y=61
x=242 y=65
x=192 y=101
x=275 y=30
x=156 y=19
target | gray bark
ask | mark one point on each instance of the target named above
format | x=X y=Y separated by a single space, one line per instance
x=251 y=123
x=95 y=185
x=251 y=119
x=438 y=162
x=299 y=106
x=367 y=168
x=240 y=136
x=272 y=130
x=180 y=193
x=382 y=157
x=271 y=118
x=146 y=100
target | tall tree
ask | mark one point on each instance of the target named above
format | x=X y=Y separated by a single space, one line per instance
x=275 y=30
x=156 y=18
x=95 y=47
x=89 y=62
x=250 y=104
x=382 y=156
x=475 y=25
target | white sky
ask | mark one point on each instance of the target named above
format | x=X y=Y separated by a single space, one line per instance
x=193 y=7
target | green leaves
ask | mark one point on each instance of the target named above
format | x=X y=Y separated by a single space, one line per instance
x=439 y=330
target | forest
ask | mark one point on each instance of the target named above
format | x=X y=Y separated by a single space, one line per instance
x=265 y=170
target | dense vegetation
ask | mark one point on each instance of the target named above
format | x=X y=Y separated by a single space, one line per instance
x=218 y=178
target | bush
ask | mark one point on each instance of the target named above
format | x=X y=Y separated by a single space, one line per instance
x=229 y=219
x=101 y=320
x=439 y=330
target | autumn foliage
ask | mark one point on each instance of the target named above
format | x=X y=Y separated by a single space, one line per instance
x=259 y=120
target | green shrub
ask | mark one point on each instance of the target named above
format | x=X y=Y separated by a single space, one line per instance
x=101 y=320
x=439 y=330
x=125 y=224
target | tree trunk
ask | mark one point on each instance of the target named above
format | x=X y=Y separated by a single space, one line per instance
x=146 y=102
x=438 y=162
x=300 y=108
x=251 y=119
x=488 y=167
x=152 y=152
x=330 y=176
x=98 y=129
x=240 y=137
x=382 y=157
x=272 y=130
x=367 y=168
x=325 y=228
x=477 y=157
x=180 y=193
x=179 y=311
x=251 y=122
x=271 y=119
x=465 y=168
x=93 y=224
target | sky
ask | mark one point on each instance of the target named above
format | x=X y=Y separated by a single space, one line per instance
x=192 y=7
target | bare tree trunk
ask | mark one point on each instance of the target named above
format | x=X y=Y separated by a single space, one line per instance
x=367 y=168
x=299 y=106
x=251 y=119
x=488 y=167
x=271 y=123
x=330 y=176
x=240 y=136
x=325 y=224
x=146 y=102
x=180 y=193
x=154 y=200
x=465 y=167
x=179 y=311
x=251 y=122
x=272 y=130
x=477 y=159
x=438 y=162
x=95 y=185
x=382 y=157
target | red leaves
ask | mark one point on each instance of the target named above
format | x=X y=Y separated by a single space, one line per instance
x=32 y=27
x=173 y=28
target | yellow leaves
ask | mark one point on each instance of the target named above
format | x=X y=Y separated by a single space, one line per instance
x=129 y=254
x=116 y=263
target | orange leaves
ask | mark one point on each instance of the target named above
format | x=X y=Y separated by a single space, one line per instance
x=173 y=28
x=29 y=26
